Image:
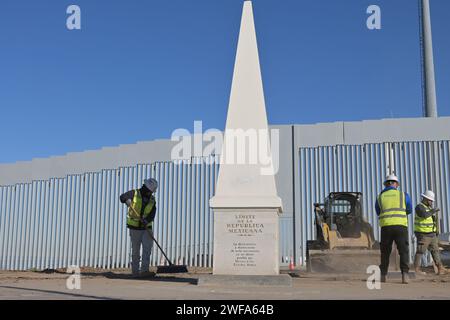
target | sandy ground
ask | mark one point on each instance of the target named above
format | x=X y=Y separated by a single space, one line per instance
x=116 y=284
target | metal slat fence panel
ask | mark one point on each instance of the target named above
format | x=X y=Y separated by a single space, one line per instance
x=79 y=220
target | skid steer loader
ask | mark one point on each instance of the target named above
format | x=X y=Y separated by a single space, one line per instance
x=344 y=240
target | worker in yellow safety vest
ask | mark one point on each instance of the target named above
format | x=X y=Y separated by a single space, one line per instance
x=393 y=207
x=141 y=201
x=426 y=231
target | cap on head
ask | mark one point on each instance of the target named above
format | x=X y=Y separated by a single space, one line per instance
x=151 y=184
x=428 y=195
x=391 y=177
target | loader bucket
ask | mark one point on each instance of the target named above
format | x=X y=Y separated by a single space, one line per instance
x=342 y=261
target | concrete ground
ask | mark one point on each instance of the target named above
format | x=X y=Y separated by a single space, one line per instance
x=117 y=284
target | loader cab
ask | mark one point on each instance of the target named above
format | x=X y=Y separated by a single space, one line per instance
x=343 y=213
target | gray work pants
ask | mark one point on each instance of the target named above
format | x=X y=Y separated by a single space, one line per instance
x=138 y=238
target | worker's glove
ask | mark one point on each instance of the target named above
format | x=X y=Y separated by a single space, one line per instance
x=436 y=210
x=128 y=202
x=145 y=222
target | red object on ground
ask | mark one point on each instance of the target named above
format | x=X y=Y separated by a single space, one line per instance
x=291 y=264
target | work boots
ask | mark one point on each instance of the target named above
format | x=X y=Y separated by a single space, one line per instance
x=442 y=270
x=405 y=278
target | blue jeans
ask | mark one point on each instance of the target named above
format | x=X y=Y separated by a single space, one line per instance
x=138 y=238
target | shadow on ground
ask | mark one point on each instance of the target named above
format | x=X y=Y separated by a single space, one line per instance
x=54 y=292
x=176 y=277
x=155 y=277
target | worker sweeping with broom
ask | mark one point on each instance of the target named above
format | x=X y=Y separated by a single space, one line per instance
x=141 y=201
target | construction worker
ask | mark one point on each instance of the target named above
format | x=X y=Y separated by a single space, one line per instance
x=392 y=207
x=426 y=231
x=143 y=202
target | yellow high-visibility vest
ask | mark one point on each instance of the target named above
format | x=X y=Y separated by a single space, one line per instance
x=134 y=221
x=392 y=205
x=424 y=225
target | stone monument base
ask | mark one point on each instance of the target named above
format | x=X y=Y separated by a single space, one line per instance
x=282 y=280
x=246 y=242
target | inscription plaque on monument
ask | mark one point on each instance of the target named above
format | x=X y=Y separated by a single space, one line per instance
x=246 y=239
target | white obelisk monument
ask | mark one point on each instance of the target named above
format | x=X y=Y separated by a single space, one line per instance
x=246 y=205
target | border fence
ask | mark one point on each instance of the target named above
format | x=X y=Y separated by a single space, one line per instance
x=78 y=219
x=362 y=168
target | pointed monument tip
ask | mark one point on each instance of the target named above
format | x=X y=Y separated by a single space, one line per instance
x=248 y=6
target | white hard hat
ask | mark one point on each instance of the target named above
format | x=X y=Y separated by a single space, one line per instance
x=391 y=177
x=151 y=184
x=428 y=195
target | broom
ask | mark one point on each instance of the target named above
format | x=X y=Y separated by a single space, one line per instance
x=171 y=268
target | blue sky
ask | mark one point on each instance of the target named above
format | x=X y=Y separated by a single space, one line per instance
x=139 y=69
